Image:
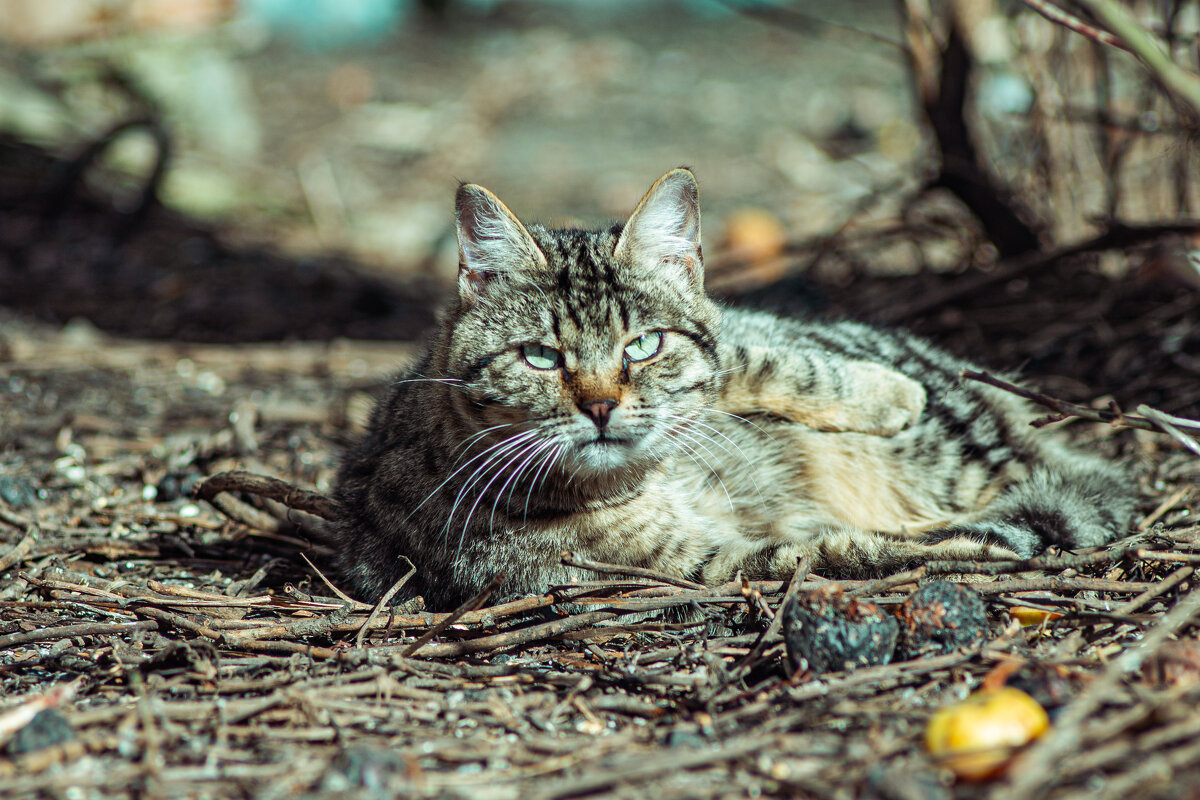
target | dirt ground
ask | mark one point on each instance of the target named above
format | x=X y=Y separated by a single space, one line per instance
x=178 y=647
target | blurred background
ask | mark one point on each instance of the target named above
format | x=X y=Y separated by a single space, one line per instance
x=248 y=170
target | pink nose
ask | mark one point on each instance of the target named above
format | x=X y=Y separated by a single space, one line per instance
x=598 y=410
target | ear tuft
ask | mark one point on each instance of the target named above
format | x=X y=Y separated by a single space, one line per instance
x=491 y=241
x=665 y=227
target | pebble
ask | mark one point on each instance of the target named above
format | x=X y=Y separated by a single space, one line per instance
x=47 y=729
x=17 y=493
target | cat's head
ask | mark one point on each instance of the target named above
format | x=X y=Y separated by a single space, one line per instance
x=596 y=349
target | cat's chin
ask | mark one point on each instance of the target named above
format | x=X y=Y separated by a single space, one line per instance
x=608 y=457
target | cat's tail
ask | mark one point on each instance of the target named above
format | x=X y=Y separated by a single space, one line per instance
x=1072 y=503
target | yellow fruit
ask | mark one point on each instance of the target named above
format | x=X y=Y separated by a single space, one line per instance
x=754 y=234
x=977 y=738
x=1032 y=616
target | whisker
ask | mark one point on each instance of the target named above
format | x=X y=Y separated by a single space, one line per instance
x=685 y=434
x=535 y=484
x=729 y=370
x=511 y=483
x=428 y=380
x=466 y=443
x=494 y=460
x=450 y=477
x=740 y=452
x=736 y=447
x=512 y=456
x=752 y=424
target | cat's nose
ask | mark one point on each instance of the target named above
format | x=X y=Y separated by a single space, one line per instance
x=598 y=410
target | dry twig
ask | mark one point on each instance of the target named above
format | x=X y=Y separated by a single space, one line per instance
x=1064 y=410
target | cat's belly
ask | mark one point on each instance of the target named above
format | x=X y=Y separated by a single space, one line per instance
x=772 y=473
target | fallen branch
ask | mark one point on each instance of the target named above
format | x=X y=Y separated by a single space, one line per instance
x=573 y=560
x=1073 y=23
x=1116 y=236
x=273 y=488
x=1036 y=770
x=1065 y=410
x=1175 y=79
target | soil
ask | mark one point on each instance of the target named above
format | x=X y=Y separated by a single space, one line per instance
x=156 y=644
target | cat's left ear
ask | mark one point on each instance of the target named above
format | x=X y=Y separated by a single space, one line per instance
x=492 y=242
x=664 y=230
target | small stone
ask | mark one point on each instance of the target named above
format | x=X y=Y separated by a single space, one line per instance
x=825 y=631
x=47 y=729
x=939 y=617
x=362 y=766
x=168 y=488
x=175 y=485
x=17 y=493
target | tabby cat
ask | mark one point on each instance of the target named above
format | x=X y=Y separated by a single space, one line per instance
x=583 y=393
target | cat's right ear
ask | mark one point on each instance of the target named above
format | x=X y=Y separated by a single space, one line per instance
x=664 y=230
x=491 y=241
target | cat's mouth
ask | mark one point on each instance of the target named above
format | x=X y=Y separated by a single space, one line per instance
x=604 y=440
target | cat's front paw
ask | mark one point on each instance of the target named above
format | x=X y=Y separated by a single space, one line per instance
x=889 y=402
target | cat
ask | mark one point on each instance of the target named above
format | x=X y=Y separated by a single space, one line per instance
x=583 y=393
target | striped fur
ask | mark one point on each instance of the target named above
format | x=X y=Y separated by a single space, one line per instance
x=745 y=442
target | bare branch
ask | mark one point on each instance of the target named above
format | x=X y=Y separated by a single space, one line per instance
x=1065 y=410
x=1071 y=22
x=1181 y=83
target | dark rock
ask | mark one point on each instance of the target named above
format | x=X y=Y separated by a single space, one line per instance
x=826 y=631
x=168 y=488
x=939 y=617
x=17 y=493
x=175 y=485
x=363 y=767
x=47 y=729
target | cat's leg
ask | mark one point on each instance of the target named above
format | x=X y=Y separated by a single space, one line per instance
x=845 y=552
x=1074 y=502
x=822 y=390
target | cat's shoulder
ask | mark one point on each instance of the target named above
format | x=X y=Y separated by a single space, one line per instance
x=747 y=325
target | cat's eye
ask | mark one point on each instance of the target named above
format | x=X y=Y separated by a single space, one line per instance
x=539 y=356
x=644 y=347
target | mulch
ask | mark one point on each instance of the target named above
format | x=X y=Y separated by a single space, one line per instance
x=156 y=644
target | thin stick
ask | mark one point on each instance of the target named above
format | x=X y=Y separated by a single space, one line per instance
x=519 y=636
x=383 y=601
x=16 y=520
x=1163 y=507
x=1046 y=562
x=883 y=584
x=354 y=604
x=1162 y=587
x=19 y=551
x=573 y=560
x=472 y=604
x=1065 y=410
x=1179 y=82
x=802 y=567
x=275 y=489
x=1062 y=584
x=1036 y=769
x=1171 y=425
x=1073 y=23
x=1118 y=236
